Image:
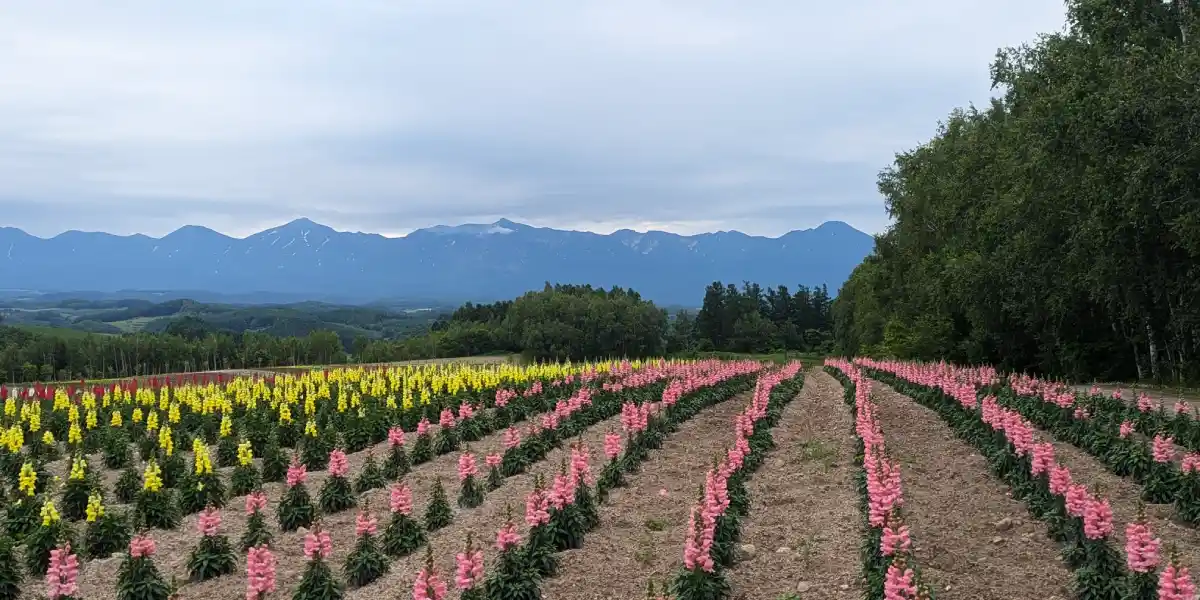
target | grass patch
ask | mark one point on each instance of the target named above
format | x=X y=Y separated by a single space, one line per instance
x=656 y=524
x=133 y=325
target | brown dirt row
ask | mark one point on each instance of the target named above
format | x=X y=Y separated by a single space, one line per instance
x=488 y=518
x=972 y=540
x=804 y=524
x=642 y=525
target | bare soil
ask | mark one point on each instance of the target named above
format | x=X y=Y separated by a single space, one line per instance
x=641 y=535
x=971 y=539
x=804 y=522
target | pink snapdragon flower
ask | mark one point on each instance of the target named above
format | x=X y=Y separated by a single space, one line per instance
x=466 y=466
x=507 y=537
x=209 y=522
x=297 y=473
x=339 y=466
x=365 y=524
x=400 y=499
x=1141 y=547
x=62 y=574
x=395 y=437
x=469 y=563
x=1175 y=583
x=317 y=544
x=260 y=572
x=612 y=445
x=255 y=501
x=141 y=546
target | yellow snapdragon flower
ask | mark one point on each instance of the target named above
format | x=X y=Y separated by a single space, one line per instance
x=27 y=480
x=203 y=462
x=49 y=514
x=245 y=454
x=152 y=477
x=15 y=438
x=95 y=507
x=78 y=469
x=165 y=441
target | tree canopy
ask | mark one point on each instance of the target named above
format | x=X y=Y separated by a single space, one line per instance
x=1057 y=229
x=558 y=322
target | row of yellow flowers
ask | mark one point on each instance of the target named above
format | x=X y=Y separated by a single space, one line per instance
x=404 y=387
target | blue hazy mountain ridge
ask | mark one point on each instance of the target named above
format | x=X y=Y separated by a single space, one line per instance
x=478 y=262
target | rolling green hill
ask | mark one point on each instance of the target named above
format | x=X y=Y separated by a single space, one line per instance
x=196 y=318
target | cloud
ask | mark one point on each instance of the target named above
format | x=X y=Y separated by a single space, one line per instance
x=388 y=115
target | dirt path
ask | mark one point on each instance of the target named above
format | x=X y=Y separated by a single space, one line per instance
x=1164 y=396
x=1125 y=495
x=804 y=522
x=485 y=520
x=642 y=531
x=972 y=540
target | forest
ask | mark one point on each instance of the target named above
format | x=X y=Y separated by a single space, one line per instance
x=559 y=322
x=1057 y=229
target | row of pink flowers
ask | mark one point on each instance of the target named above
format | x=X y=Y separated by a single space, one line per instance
x=1142 y=549
x=1162 y=446
x=885 y=489
x=701 y=532
x=562 y=490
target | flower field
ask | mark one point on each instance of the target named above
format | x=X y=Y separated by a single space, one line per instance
x=691 y=480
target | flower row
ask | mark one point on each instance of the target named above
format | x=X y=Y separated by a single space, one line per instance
x=1136 y=441
x=1080 y=519
x=889 y=567
x=714 y=525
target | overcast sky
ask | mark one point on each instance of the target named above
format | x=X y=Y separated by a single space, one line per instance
x=389 y=115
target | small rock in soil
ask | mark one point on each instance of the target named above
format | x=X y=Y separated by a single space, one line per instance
x=1004 y=524
x=804 y=586
x=997 y=540
x=782 y=550
x=746 y=551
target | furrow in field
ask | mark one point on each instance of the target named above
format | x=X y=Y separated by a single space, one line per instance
x=804 y=523
x=972 y=539
x=488 y=518
x=642 y=526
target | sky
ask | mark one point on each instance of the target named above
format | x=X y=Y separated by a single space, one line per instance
x=141 y=116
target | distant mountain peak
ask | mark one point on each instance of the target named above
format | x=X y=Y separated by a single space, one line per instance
x=507 y=224
x=193 y=231
x=473 y=261
x=501 y=227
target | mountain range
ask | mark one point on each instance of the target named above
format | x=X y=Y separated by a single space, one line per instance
x=477 y=262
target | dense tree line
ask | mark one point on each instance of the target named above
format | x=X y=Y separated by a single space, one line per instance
x=559 y=322
x=1057 y=229
x=30 y=356
x=752 y=319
